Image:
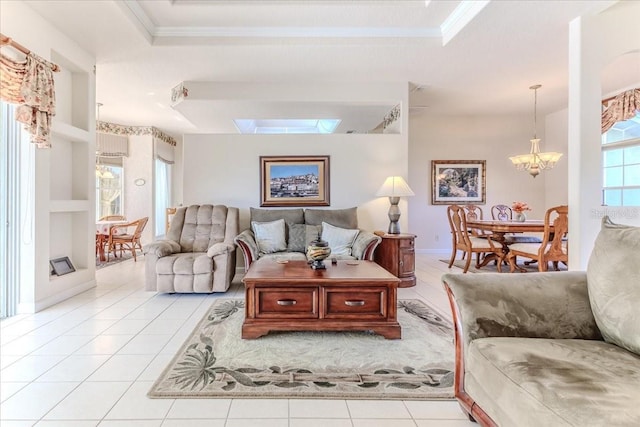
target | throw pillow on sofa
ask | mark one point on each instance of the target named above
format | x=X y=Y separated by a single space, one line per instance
x=269 y=236
x=300 y=236
x=340 y=239
x=613 y=280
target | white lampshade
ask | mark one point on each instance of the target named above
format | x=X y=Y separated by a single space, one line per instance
x=395 y=186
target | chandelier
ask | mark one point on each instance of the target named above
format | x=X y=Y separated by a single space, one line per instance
x=102 y=172
x=535 y=161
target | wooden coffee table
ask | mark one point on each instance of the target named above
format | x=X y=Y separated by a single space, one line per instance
x=347 y=296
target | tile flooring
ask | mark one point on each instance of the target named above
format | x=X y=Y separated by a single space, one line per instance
x=90 y=360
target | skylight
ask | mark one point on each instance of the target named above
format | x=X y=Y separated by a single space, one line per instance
x=281 y=126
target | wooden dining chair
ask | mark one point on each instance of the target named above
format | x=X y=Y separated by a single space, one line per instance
x=505 y=213
x=472 y=213
x=126 y=241
x=501 y=213
x=463 y=240
x=554 y=247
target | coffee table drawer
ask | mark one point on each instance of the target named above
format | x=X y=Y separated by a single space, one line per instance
x=287 y=303
x=363 y=304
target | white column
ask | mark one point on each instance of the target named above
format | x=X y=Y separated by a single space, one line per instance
x=585 y=171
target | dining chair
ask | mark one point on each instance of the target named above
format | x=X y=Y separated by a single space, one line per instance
x=501 y=213
x=113 y=218
x=464 y=240
x=472 y=213
x=124 y=240
x=554 y=247
x=168 y=214
x=505 y=213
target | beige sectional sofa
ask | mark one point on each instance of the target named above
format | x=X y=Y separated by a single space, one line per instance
x=287 y=233
x=552 y=349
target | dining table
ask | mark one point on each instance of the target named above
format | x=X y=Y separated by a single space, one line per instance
x=103 y=228
x=499 y=229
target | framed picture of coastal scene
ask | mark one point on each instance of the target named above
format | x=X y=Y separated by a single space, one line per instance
x=458 y=182
x=294 y=181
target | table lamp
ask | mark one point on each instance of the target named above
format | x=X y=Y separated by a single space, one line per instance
x=394 y=187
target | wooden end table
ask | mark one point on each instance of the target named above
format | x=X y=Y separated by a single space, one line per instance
x=397 y=254
x=347 y=296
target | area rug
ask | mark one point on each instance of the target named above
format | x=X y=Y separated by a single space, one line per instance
x=491 y=267
x=215 y=362
x=113 y=260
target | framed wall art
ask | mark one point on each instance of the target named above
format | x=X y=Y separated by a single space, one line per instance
x=61 y=266
x=294 y=181
x=458 y=182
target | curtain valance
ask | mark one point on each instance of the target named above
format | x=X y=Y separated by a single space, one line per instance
x=30 y=84
x=623 y=107
x=163 y=151
x=109 y=145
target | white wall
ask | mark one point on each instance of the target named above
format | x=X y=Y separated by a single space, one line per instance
x=138 y=200
x=594 y=42
x=38 y=240
x=225 y=169
x=490 y=138
x=556 y=135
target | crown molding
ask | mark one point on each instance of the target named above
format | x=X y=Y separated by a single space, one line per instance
x=460 y=17
x=165 y=35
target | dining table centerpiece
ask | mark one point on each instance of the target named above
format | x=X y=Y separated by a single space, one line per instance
x=519 y=208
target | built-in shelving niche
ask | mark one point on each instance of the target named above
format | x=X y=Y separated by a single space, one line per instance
x=71 y=165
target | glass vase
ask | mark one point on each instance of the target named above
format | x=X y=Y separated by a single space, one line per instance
x=520 y=217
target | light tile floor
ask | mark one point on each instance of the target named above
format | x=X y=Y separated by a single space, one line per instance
x=90 y=360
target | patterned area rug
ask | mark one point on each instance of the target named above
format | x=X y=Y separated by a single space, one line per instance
x=216 y=362
x=113 y=260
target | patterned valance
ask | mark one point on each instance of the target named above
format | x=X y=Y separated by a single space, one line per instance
x=391 y=117
x=30 y=85
x=108 y=145
x=116 y=129
x=623 y=107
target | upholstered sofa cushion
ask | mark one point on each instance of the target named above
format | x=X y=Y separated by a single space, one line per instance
x=300 y=236
x=290 y=216
x=613 y=279
x=196 y=227
x=270 y=236
x=340 y=240
x=529 y=382
x=345 y=218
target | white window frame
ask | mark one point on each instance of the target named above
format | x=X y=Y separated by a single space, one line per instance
x=635 y=142
x=98 y=190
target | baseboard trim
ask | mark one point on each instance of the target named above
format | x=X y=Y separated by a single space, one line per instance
x=28 y=308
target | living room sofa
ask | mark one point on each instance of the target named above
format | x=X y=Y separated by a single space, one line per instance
x=300 y=228
x=554 y=348
x=198 y=254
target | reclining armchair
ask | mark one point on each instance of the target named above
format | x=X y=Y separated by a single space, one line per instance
x=198 y=255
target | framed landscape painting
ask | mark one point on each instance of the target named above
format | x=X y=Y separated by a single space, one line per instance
x=294 y=180
x=458 y=182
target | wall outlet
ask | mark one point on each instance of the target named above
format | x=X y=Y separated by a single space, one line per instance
x=437 y=238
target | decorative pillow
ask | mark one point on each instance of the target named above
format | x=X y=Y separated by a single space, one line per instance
x=340 y=239
x=300 y=236
x=269 y=236
x=613 y=281
x=295 y=242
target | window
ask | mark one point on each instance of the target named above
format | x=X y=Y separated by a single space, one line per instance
x=283 y=126
x=621 y=164
x=13 y=214
x=109 y=185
